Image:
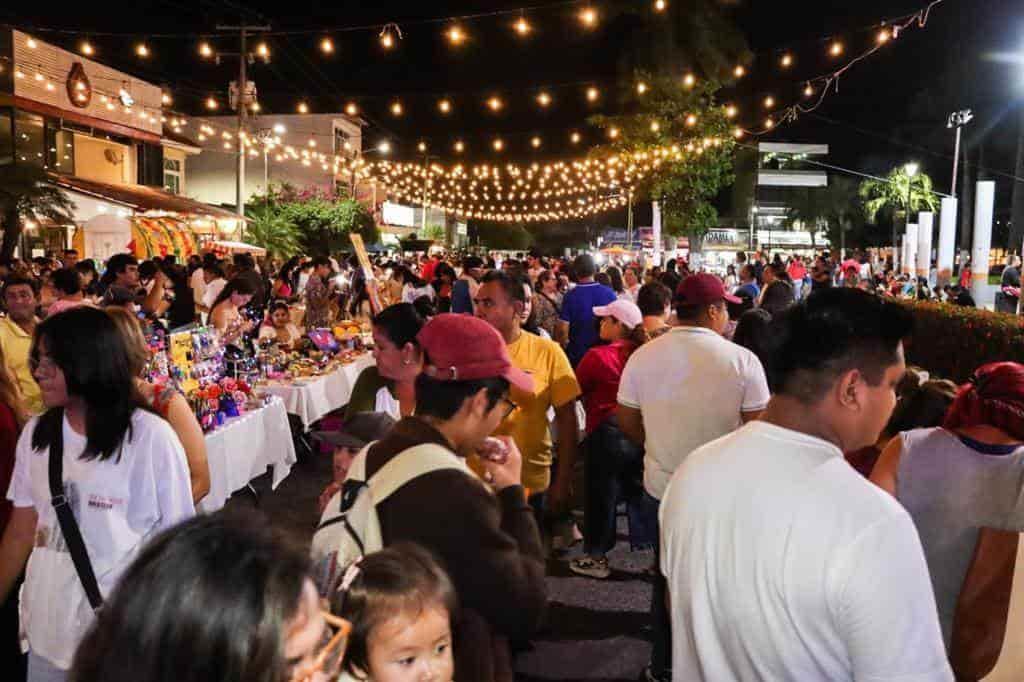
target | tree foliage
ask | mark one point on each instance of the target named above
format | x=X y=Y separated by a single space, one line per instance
x=883 y=199
x=267 y=227
x=504 y=236
x=312 y=220
x=670 y=115
x=834 y=208
x=26 y=194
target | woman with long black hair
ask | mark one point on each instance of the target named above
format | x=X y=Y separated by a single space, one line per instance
x=124 y=476
x=226 y=312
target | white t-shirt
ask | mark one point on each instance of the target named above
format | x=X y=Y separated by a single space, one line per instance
x=119 y=504
x=411 y=293
x=213 y=290
x=198 y=283
x=783 y=563
x=690 y=385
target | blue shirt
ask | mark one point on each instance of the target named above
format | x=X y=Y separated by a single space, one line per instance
x=750 y=288
x=462 y=302
x=578 y=311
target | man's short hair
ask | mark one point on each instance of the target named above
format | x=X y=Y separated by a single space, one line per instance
x=443 y=399
x=510 y=284
x=653 y=298
x=70 y=252
x=119 y=262
x=19 y=280
x=583 y=266
x=835 y=330
x=321 y=260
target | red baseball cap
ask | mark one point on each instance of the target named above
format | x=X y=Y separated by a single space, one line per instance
x=463 y=347
x=703 y=289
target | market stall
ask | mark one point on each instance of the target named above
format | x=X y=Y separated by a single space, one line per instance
x=224 y=248
x=312 y=398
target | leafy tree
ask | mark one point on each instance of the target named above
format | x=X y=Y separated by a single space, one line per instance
x=319 y=220
x=670 y=115
x=834 y=208
x=887 y=199
x=496 y=235
x=25 y=193
x=267 y=227
x=434 y=232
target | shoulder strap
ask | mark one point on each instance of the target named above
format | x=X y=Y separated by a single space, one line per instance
x=413 y=463
x=66 y=519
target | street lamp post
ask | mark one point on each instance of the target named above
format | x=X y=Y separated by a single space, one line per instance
x=911 y=170
x=957 y=120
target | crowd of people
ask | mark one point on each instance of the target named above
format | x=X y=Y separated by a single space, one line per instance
x=816 y=508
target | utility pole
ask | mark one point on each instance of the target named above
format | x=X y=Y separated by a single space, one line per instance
x=629 y=222
x=958 y=119
x=242 y=100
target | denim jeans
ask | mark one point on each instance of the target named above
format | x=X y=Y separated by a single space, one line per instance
x=661 y=650
x=614 y=469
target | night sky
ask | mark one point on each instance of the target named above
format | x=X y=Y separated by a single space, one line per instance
x=889 y=109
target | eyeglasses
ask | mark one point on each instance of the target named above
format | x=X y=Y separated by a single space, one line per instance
x=329 y=652
x=510 y=409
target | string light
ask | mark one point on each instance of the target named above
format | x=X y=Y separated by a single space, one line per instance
x=211 y=104
x=494 y=104
x=255 y=106
x=535 y=142
x=655 y=127
x=422 y=147
x=544 y=99
x=660 y=5
x=459 y=147
x=731 y=111
x=574 y=137
x=205 y=50
x=444 y=106
x=588 y=17
x=691 y=120
x=689 y=80
x=808 y=90
x=737 y=133
x=786 y=61
x=769 y=102
x=836 y=49
x=613 y=132
x=884 y=35
x=641 y=88
x=142 y=50
x=384 y=147
x=498 y=144
x=86 y=48
x=165 y=98
x=592 y=94
x=769 y=123
x=31 y=43
x=739 y=71
x=522 y=26
x=396 y=109
x=351 y=109
x=387 y=40
x=303 y=108
x=263 y=50
x=327 y=45
x=456 y=36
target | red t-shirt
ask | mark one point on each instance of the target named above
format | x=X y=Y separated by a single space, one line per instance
x=797 y=271
x=8 y=441
x=598 y=375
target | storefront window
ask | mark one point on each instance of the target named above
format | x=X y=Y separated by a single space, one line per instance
x=29 y=138
x=60 y=150
x=172 y=176
x=6 y=137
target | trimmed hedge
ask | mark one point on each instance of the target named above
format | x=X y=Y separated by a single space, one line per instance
x=951 y=341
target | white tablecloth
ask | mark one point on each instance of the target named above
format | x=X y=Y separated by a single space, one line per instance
x=243 y=448
x=312 y=398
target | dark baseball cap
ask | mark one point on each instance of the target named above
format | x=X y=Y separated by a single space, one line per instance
x=357 y=430
x=703 y=289
x=463 y=348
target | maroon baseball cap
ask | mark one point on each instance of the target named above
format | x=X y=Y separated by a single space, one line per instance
x=463 y=347
x=702 y=289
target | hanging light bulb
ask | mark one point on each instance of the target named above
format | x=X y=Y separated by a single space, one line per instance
x=808 y=90
x=165 y=98
x=769 y=102
x=327 y=45
x=263 y=50
x=495 y=104
x=574 y=137
x=613 y=132
x=142 y=50
x=731 y=111
x=691 y=120
x=211 y=103
x=660 y=5
x=739 y=71
x=544 y=99
x=255 y=106
x=86 y=48
x=786 y=61
x=205 y=50
x=655 y=127
x=588 y=17
x=884 y=35
x=592 y=94
x=31 y=43
x=303 y=108
x=641 y=88
x=351 y=109
x=737 y=133
x=384 y=147
x=444 y=106
x=459 y=147
x=456 y=36
x=836 y=49
x=396 y=109
x=689 y=80
x=522 y=26
x=498 y=144
x=535 y=142
x=769 y=123
x=422 y=146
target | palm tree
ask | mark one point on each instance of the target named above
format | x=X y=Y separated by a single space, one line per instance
x=271 y=230
x=25 y=194
x=833 y=207
x=898 y=192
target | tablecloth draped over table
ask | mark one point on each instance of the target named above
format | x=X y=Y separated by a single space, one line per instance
x=243 y=448
x=314 y=397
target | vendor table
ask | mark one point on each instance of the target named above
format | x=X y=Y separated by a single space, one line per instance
x=311 y=398
x=242 y=449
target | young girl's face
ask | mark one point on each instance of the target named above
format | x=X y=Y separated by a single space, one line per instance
x=412 y=648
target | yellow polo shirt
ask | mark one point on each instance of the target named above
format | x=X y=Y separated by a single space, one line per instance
x=554 y=385
x=16 y=343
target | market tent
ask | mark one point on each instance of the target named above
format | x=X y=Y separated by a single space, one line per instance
x=615 y=251
x=163 y=236
x=222 y=247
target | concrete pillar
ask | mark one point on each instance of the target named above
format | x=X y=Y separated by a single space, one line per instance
x=656 y=231
x=984 y=202
x=910 y=250
x=925 y=224
x=947 y=241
